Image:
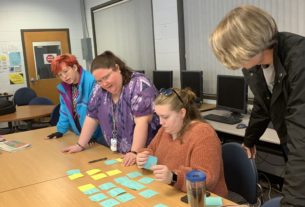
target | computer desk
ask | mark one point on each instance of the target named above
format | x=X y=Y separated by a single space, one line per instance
x=270 y=135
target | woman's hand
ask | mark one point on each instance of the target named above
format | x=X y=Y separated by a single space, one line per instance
x=162 y=173
x=251 y=152
x=73 y=149
x=129 y=159
x=142 y=158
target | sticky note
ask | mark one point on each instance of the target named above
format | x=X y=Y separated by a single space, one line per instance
x=93 y=171
x=109 y=202
x=113 y=172
x=119 y=159
x=98 y=197
x=134 y=174
x=125 y=197
x=83 y=188
x=125 y=181
x=151 y=161
x=107 y=186
x=146 y=180
x=148 y=193
x=73 y=171
x=213 y=201
x=75 y=176
x=116 y=191
x=91 y=191
x=121 y=179
x=160 y=205
x=110 y=162
x=98 y=176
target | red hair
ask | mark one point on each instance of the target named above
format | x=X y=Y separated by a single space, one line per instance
x=68 y=59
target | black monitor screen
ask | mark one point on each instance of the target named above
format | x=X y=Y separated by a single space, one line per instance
x=194 y=80
x=163 y=79
x=232 y=93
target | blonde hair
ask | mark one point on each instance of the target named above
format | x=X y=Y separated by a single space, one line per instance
x=243 y=33
x=188 y=98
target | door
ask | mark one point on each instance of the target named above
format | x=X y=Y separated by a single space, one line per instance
x=39 y=48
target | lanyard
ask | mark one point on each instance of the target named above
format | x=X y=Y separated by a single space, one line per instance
x=114 y=139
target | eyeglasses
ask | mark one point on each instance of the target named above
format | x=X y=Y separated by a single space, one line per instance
x=105 y=78
x=64 y=72
x=169 y=92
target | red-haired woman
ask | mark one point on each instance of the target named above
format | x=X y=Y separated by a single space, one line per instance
x=75 y=91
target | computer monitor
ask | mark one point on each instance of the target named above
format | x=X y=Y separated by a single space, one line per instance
x=232 y=94
x=163 y=79
x=193 y=79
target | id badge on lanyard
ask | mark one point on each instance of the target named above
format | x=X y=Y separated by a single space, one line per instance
x=114 y=141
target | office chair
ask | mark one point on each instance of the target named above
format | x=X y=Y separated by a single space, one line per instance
x=274 y=202
x=240 y=175
x=55 y=115
x=23 y=96
x=40 y=101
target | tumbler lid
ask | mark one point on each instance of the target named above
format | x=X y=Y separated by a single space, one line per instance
x=195 y=176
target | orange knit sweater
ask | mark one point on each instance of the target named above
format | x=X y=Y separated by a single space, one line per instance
x=199 y=149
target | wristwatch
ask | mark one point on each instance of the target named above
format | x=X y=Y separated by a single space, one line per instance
x=174 y=178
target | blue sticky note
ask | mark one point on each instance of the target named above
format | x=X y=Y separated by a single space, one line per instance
x=73 y=171
x=116 y=191
x=160 y=205
x=146 y=180
x=121 y=179
x=151 y=161
x=110 y=162
x=125 y=197
x=109 y=202
x=148 y=193
x=213 y=201
x=134 y=174
x=107 y=186
x=91 y=191
x=98 y=197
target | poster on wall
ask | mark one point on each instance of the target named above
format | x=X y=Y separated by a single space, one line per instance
x=44 y=53
x=4 y=65
x=16 y=78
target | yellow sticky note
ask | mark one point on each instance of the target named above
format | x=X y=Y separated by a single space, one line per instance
x=119 y=159
x=93 y=171
x=75 y=176
x=113 y=172
x=86 y=187
x=99 y=176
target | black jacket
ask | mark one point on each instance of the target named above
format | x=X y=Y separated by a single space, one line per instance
x=285 y=107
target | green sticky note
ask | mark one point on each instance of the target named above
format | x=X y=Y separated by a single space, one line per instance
x=98 y=197
x=73 y=171
x=160 y=205
x=91 y=191
x=110 y=162
x=213 y=201
x=125 y=197
x=107 y=186
x=116 y=191
x=134 y=174
x=148 y=193
x=146 y=180
x=109 y=202
x=151 y=161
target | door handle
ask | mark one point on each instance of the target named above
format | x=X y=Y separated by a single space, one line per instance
x=33 y=80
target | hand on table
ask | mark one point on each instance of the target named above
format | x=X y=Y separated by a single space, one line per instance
x=129 y=159
x=54 y=135
x=162 y=173
x=73 y=149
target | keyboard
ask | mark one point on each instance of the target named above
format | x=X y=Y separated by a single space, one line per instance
x=222 y=119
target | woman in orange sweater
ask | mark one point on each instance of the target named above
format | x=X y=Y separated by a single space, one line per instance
x=184 y=143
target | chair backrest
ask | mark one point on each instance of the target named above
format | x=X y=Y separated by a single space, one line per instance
x=23 y=96
x=274 y=202
x=40 y=101
x=55 y=115
x=240 y=172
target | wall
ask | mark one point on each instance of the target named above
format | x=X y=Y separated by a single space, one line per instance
x=36 y=14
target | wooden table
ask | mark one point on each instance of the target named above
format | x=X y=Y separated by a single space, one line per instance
x=36 y=176
x=28 y=112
